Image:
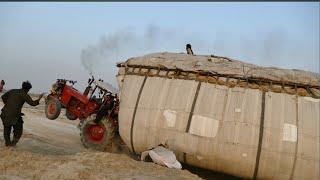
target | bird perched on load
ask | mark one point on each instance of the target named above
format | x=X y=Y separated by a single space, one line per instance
x=189 y=50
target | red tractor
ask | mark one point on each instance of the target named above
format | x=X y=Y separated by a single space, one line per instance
x=97 y=109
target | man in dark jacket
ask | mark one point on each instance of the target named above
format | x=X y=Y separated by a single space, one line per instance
x=11 y=112
x=2 y=83
x=189 y=50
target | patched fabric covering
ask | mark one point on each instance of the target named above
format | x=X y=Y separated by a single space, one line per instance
x=225 y=66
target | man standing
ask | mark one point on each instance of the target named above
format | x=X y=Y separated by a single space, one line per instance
x=189 y=50
x=11 y=112
x=1 y=85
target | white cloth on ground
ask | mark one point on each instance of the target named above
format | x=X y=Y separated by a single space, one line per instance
x=162 y=156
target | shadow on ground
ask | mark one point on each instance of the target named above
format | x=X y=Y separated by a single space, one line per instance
x=208 y=174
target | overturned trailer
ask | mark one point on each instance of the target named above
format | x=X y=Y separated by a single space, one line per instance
x=222 y=114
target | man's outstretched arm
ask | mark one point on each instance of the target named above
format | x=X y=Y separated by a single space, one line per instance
x=31 y=102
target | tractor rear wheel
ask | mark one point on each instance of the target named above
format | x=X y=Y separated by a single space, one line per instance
x=70 y=116
x=53 y=109
x=97 y=136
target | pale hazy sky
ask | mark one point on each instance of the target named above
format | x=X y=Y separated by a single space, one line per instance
x=41 y=42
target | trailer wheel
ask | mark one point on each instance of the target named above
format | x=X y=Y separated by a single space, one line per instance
x=70 y=116
x=97 y=136
x=52 y=109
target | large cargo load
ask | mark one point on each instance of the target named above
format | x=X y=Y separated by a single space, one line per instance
x=222 y=114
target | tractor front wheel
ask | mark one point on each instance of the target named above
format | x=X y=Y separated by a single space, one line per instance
x=97 y=136
x=53 y=109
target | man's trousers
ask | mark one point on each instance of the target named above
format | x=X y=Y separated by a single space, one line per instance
x=17 y=132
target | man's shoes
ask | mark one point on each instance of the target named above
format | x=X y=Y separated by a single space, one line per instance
x=11 y=144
